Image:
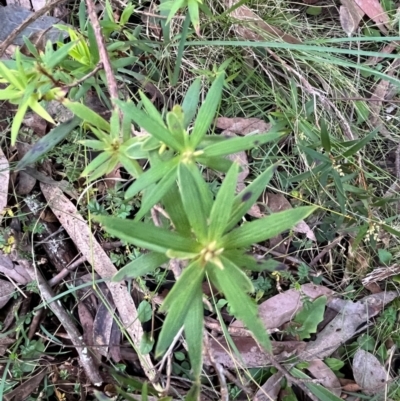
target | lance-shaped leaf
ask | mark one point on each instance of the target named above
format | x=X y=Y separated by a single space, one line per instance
x=45 y=144
x=222 y=206
x=178 y=304
x=194 y=332
x=142 y=265
x=191 y=102
x=151 y=126
x=100 y=161
x=265 y=228
x=87 y=115
x=244 y=308
x=147 y=236
x=193 y=199
x=173 y=206
x=248 y=262
x=151 y=109
x=150 y=177
x=156 y=193
x=215 y=163
x=248 y=197
x=234 y=145
x=207 y=111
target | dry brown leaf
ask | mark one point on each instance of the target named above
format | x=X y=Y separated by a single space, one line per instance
x=374 y=10
x=6 y=292
x=4 y=179
x=278 y=203
x=79 y=231
x=250 y=353
x=354 y=13
x=251 y=27
x=347 y=21
x=376 y=99
x=368 y=372
x=15 y=271
x=325 y=375
x=343 y=327
x=27 y=387
x=269 y=391
x=281 y=308
x=243 y=126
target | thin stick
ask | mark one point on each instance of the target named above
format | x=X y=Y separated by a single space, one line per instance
x=88 y=362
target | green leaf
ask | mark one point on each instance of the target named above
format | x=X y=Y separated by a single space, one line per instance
x=244 y=308
x=318 y=390
x=144 y=312
x=192 y=200
x=48 y=142
x=234 y=145
x=175 y=124
x=310 y=317
x=156 y=193
x=142 y=265
x=207 y=111
x=249 y=196
x=194 y=333
x=60 y=54
x=334 y=364
x=87 y=115
x=11 y=76
x=151 y=109
x=265 y=228
x=193 y=7
x=248 y=262
x=40 y=111
x=174 y=207
x=150 y=125
x=360 y=144
x=178 y=304
x=147 y=236
x=100 y=161
x=191 y=102
x=222 y=206
x=215 y=163
x=130 y=165
x=17 y=121
x=150 y=177
x=325 y=139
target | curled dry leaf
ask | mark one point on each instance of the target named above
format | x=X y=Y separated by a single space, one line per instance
x=243 y=126
x=281 y=308
x=353 y=15
x=80 y=233
x=251 y=27
x=325 y=376
x=4 y=179
x=15 y=271
x=368 y=372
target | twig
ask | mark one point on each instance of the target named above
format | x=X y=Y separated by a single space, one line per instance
x=98 y=67
x=67 y=270
x=218 y=369
x=105 y=60
x=325 y=251
x=27 y=21
x=86 y=358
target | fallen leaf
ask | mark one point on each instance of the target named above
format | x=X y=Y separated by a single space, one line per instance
x=376 y=100
x=81 y=235
x=354 y=13
x=269 y=391
x=4 y=179
x=325 y=376
x=14 y=270
x=375 y=11
x=243 y=126
x=251 y=27
x=27 y=387
x=347 y=21
x=368 y=372
x=250 y=353
x=7 y=290
x=281 y=308
x=343 y=327
x=278 y=203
